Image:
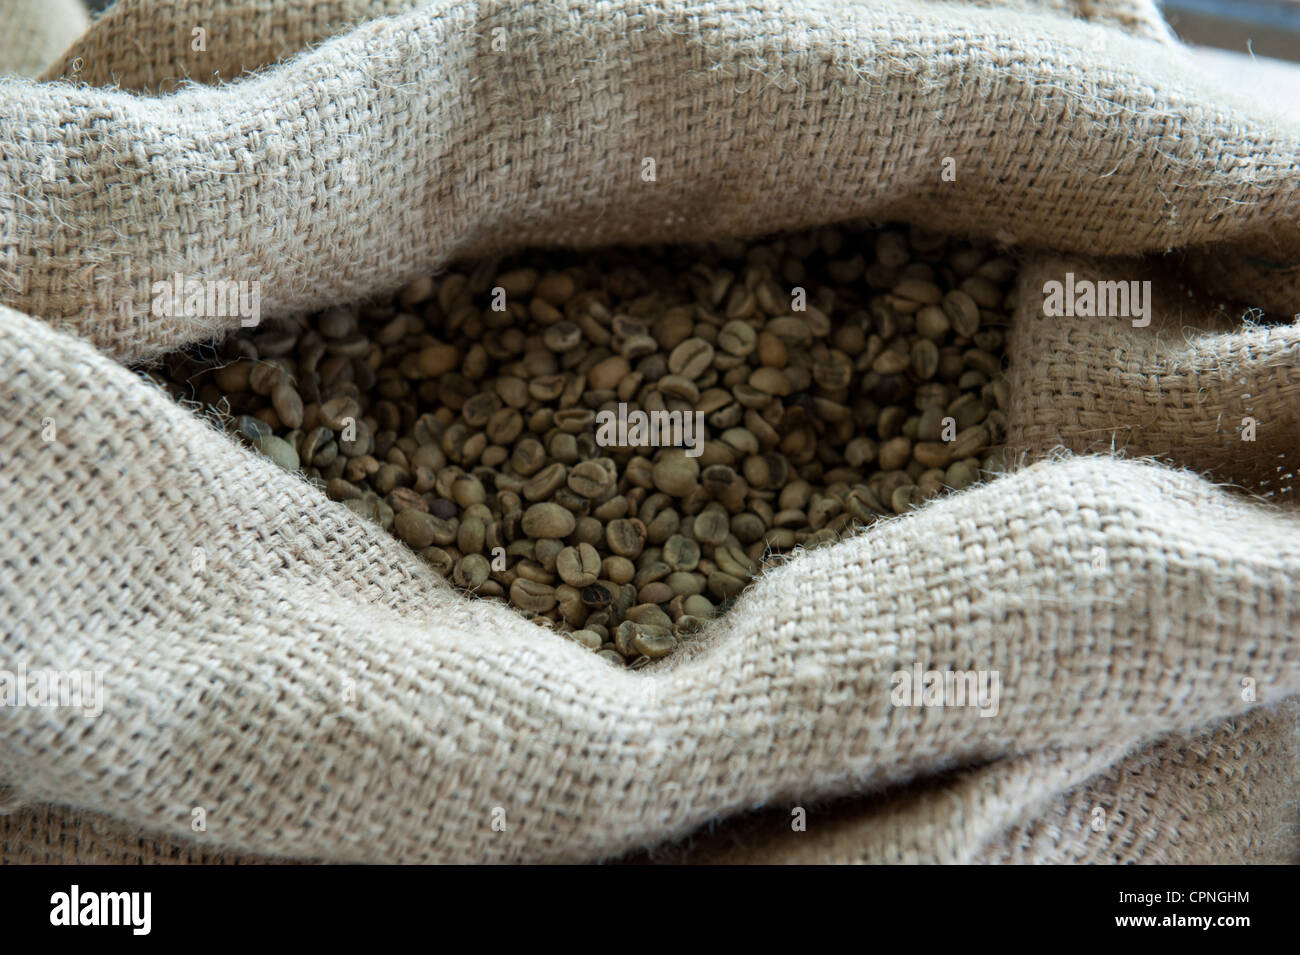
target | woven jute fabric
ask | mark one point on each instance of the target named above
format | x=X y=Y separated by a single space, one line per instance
x=241 y=36
x=1199 y=392
x=1227 y=795
x=393 y=147
x=56 y=835
x=319 y=694
x=1223 y=794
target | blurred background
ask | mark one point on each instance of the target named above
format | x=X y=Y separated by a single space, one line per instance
x=1250 y=43
x=1268 y=28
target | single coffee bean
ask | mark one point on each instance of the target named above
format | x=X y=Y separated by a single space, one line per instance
x=895 y=453
x=932 y=323
x=588 y=638
x=903 y=498
x=691 y=358
x=472 y=571
x=590 y=479
x=337 y=489
x=563 y=337
x=555 y=287
x=891 y=363
x=969 y=441
x=287 y=404
x=676 y=474
x=918 y=290
x=679 y=386
x=681 y=553
x=982 y=361
x=625 y=537
x=609 y=373
x=655 y=592
x=960 y=475
x=548 y=520
x=732 y=559
x=579 y=566
x=264 y=376
x=531 y=595
x=711 y=527
x=338 y=412
x=575 y=420
x=932 y=454
x=699 y=606
x=682 y=583
x=963 y=312
x=436 y=360
x=437 y=558
x=545 y=482
x=968 y=411
x=925 y=359
x=234 y=377
x=251 y=428
x=468 y=490
x=835 y=373
x=472 y=535
x=596 y=596
x=654 y=642
x=737 y=338
x=983 y=291
x=279 y=451
x=415 y=527
x=624 y=634
x=725 y=586
x=770 y=381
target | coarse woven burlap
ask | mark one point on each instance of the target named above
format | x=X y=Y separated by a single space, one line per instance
x=118 y=53
x=228 y=689
x=1180 y=390
x=407 y=141
x=322 y=695
x=1225 y=794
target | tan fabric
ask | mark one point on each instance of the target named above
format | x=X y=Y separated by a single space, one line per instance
x=238 y=37
x=242 y=36
x=319 y=693
x=1224 y=794
x=55 y=835
x=227 y=688
x=1227 y=795
x=1188 y=382
x=394 y=147
x=35 y=32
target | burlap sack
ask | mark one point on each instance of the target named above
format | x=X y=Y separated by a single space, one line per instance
x=1224 y=795
x=249 y=35
x=320 y=694
x=409 y=140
